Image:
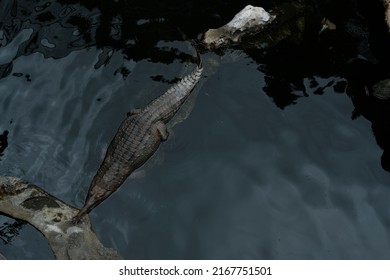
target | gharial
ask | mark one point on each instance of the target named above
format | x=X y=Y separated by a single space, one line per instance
x=136 y=140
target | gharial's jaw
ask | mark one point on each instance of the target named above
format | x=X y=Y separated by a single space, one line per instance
x=95 y=197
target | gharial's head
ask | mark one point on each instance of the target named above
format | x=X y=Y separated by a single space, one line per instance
x=96 y=195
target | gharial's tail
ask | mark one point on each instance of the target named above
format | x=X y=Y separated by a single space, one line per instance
x=198 y=58
x=193 y=44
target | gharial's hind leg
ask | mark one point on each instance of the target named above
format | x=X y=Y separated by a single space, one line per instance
x=134 y=112
x=162 y=130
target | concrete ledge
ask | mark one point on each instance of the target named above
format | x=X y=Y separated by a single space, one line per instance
x=49 y=215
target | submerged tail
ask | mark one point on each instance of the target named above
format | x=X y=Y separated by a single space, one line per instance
x=193 y=45
x=198 y=58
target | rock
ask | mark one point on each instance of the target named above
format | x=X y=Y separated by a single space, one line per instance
x=250 y=20
x=292 y=19
x=51 y=217
x=381 y=89
x=387 y=13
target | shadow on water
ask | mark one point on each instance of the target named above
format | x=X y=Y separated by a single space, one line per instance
x=3 y=142
x=247 y=180
x=10 y=230
x=358 y=51
x=130 y=26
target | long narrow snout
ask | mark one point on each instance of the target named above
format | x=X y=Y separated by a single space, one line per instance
x=95 y=196
x=76 y=219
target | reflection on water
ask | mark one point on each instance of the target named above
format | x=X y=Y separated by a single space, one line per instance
x=239 y=178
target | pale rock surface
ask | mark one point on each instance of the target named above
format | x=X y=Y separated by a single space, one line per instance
x=387 y=13
x=250 y=20
x=381 y=89
x=49 y=215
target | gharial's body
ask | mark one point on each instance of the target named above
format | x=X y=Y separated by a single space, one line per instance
x=136 y=140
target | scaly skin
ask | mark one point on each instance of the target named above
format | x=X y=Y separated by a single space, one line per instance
x=138 y=137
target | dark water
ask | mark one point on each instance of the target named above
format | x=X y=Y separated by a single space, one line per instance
x=240 y=178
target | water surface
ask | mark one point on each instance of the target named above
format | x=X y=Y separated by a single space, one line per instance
x=239 y=178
